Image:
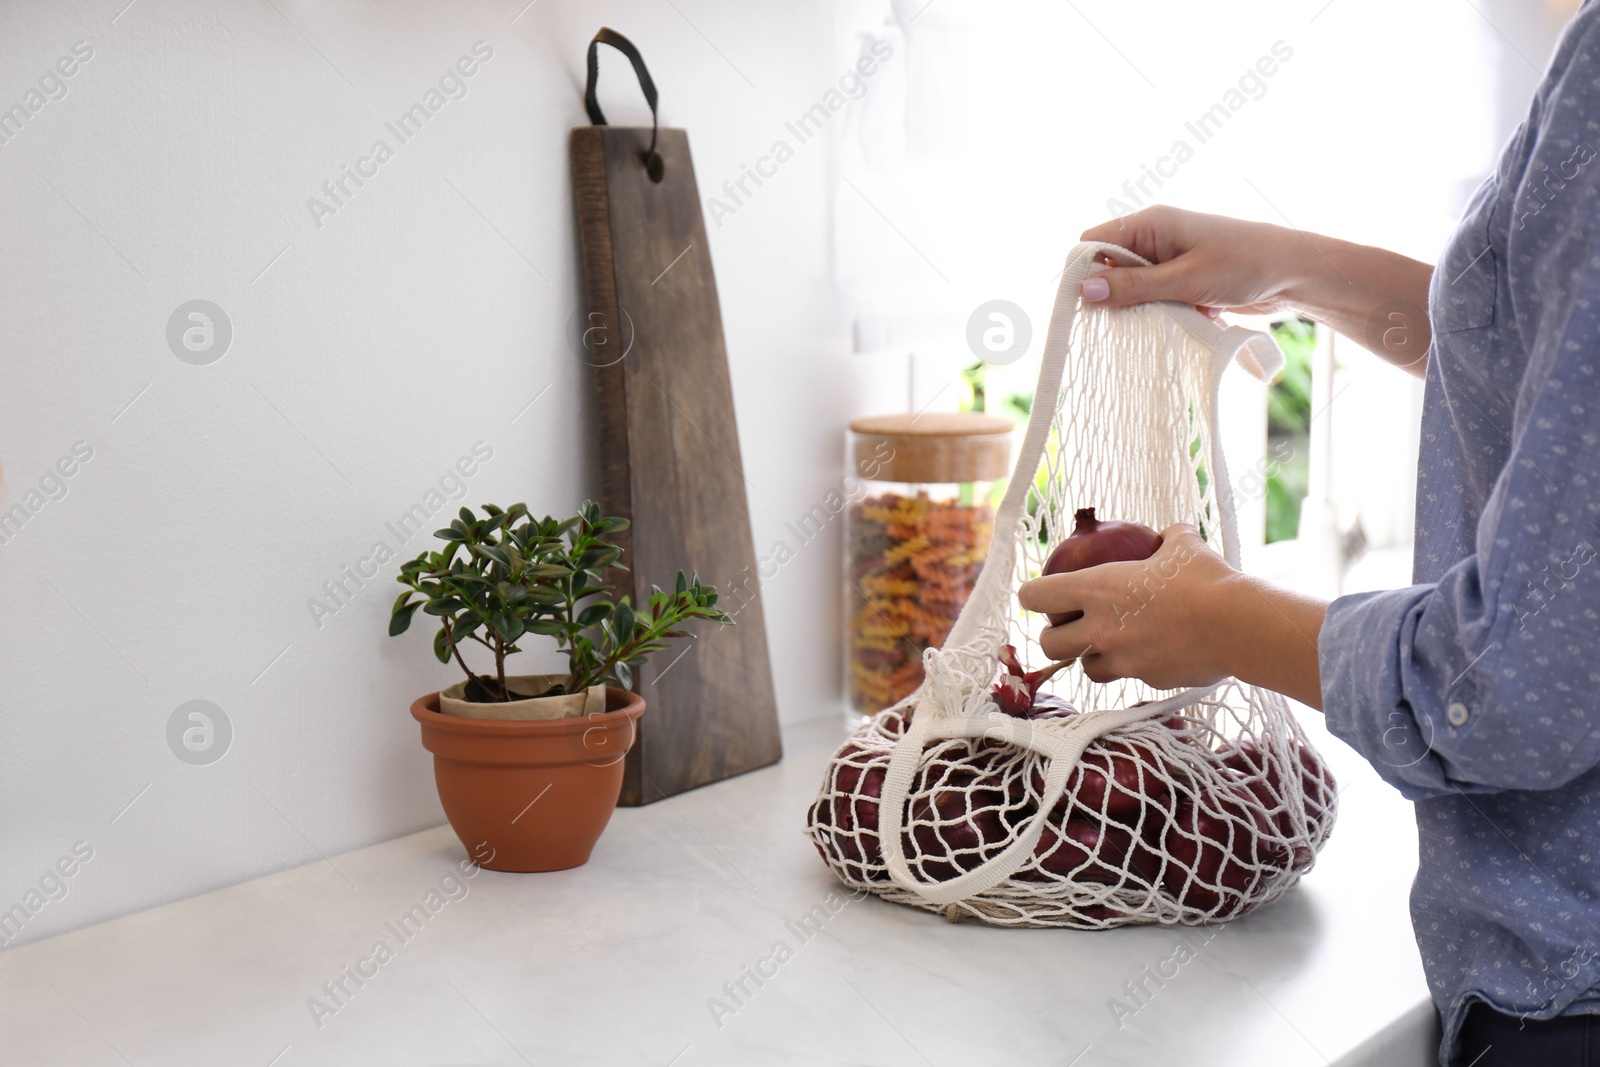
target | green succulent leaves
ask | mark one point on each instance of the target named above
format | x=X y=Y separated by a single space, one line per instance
x=504 y=575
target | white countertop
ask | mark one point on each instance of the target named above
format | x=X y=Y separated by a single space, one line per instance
x=614 y=963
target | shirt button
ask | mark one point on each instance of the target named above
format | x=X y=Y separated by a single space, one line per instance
x=1457 y=714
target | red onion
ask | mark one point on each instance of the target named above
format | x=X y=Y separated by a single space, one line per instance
x=854 y=815
x=1253 y=771
x=1319 y=786
x=1092 y=543
x=1117 y=780
x=958 y=826
x=1221 y=844
x=1084 y=852
x=1050 y=706
x=1087 y=851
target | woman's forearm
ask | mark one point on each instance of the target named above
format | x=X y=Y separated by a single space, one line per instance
x=1270 y=638
x=1375 y=297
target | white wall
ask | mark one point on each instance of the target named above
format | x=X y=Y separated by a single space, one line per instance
x=368 y=354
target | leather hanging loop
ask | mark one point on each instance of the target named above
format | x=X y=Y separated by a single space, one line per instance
x=652 y=159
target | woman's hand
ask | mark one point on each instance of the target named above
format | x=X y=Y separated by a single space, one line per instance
x=1211 y=261
x=1376 y=297
x=1183 y=617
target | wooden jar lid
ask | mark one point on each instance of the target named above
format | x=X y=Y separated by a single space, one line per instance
x=933 y=447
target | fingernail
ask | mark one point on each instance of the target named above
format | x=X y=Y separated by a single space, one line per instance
x=1096 y=288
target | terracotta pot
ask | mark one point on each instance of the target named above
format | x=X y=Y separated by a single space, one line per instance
x=530 y=794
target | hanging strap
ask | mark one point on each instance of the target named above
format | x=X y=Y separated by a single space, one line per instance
x=591 y=103
x=1060 y=741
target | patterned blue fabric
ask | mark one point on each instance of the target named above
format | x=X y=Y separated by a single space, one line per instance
x=1476 y=691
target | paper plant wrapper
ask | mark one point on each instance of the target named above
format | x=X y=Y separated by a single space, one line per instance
x=591 y=701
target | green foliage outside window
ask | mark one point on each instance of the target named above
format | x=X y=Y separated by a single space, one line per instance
x=1289 y=429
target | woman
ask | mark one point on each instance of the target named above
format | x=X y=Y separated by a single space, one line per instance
x=1476 y=691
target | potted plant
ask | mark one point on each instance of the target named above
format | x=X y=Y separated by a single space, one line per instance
x=529 y=767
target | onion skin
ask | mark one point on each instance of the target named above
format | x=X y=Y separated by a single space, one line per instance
x=1092 y=543
x=1017 y=691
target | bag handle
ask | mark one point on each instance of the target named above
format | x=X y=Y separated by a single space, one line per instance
x=1062 y=742
x=591 y=103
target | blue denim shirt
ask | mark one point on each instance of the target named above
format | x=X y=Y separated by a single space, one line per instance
x=1476 y=691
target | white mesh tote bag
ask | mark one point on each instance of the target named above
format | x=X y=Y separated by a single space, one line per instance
x=1115 y=803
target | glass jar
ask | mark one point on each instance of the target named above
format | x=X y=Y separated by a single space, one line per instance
x=923 y=492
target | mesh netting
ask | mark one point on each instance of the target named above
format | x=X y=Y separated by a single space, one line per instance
x=1112 y=803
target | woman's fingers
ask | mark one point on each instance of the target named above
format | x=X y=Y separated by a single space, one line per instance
x=1154 y=233
x=1210 y=261
x=1053 y=594
x=1099 y=668
x=1120 y=286
x=1058 y=594
x=1067 y=641
x=1123 y=234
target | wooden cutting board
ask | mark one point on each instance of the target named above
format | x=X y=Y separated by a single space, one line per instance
x=669 y=451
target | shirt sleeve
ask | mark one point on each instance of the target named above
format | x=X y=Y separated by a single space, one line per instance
x=1489 y=679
